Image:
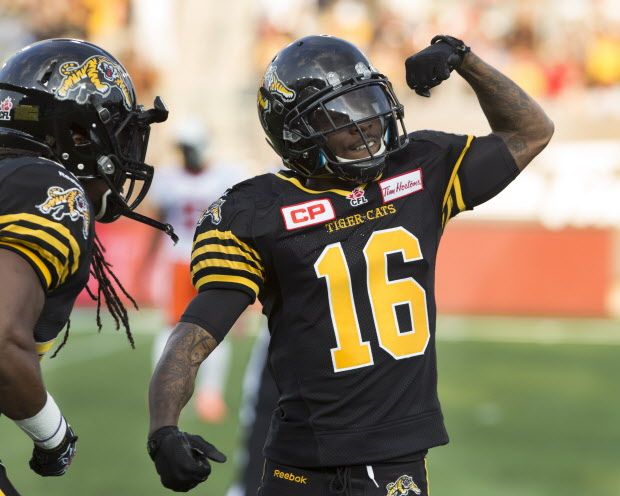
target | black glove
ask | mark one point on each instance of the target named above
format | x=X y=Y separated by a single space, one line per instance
x=181 y=459
x=431 y=66
x=56 y=461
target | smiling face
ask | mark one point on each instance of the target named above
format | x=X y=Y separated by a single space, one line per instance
x=349 y=144
x=353 y=123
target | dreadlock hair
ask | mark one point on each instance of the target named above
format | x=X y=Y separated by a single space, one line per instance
x=101 y=270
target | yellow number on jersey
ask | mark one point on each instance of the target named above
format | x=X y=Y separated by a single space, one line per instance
x=351 y=352
x=385 y=295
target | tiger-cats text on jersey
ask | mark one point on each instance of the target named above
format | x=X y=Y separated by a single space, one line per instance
x=346 y=278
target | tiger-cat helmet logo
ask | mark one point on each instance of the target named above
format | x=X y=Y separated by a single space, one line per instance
x=102 y=74
x=274 y=84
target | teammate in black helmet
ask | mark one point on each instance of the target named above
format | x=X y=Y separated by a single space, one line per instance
x=72 y=146
x=341 y=250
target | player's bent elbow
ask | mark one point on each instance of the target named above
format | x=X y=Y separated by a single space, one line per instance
x=548 y=128
x=543 y=136
x=15 y=340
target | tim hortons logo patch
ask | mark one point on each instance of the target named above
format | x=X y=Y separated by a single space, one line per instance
x=401 y=185
x=308 y=213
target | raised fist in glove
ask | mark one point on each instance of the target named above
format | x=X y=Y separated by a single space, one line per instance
x=181 y=459
x=431 y=66
x=54 y=462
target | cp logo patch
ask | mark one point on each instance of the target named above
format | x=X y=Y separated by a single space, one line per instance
x=308 y=213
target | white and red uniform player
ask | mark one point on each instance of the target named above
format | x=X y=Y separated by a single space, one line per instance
x=181 y=194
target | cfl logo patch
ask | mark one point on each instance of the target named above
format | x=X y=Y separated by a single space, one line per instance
x=308 y=213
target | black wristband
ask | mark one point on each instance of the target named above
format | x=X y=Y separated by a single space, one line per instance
x=460 y=48
x=154 y=439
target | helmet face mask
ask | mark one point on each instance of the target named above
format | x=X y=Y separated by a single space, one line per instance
x=333 y=114
x=74 y=103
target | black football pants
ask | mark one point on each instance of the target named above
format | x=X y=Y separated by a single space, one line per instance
x=6 y=488
x=398 y=479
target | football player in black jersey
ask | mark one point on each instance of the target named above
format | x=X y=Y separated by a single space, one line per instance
x=72 y=146
x=341 y=251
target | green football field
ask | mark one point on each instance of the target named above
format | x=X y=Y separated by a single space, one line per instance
x=532 y=407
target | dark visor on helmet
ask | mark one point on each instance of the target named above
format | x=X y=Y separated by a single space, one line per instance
x=353 y=126
x=359 y=105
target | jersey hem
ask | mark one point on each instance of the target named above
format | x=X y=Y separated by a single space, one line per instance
x=380 y=443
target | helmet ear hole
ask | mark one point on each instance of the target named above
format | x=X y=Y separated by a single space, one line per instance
x=79 y=135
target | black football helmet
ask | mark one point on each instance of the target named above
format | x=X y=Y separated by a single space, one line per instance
x=74 y=103
x=320 y=85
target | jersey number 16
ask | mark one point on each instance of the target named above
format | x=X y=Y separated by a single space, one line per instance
x=385 y=295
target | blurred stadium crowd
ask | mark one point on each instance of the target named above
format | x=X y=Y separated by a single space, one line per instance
x=206 y=58
x=552 y=47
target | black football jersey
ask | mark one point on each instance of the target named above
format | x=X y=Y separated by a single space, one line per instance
x=346 y=278
x=47 y=219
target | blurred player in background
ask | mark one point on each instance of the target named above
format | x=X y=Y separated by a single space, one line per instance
x=72 y=146
x=259 y=399
x=180 y=195
x=341 y=253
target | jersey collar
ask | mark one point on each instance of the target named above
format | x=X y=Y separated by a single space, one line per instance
x=297 y=183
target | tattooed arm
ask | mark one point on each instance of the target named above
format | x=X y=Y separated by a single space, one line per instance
x=512 y=114
x=172 y=383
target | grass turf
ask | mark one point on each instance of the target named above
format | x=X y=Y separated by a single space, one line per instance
x=532 y=407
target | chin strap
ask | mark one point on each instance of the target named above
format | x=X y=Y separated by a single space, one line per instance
x=127 y=212
x=167 y=228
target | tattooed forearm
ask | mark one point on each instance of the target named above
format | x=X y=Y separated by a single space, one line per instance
x=512 y=114
x=172 y=383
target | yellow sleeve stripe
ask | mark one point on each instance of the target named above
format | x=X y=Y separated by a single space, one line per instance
x=40 y=234
x=454 y=177
x=228 y=235
x=62 y=269
x=60 y=266
x=43 y=348
x=224 y=278
x=460 y=203
x=227 y=250
x=228 y=264
x=447 y=213
x=56 y=226
x=35 y=259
